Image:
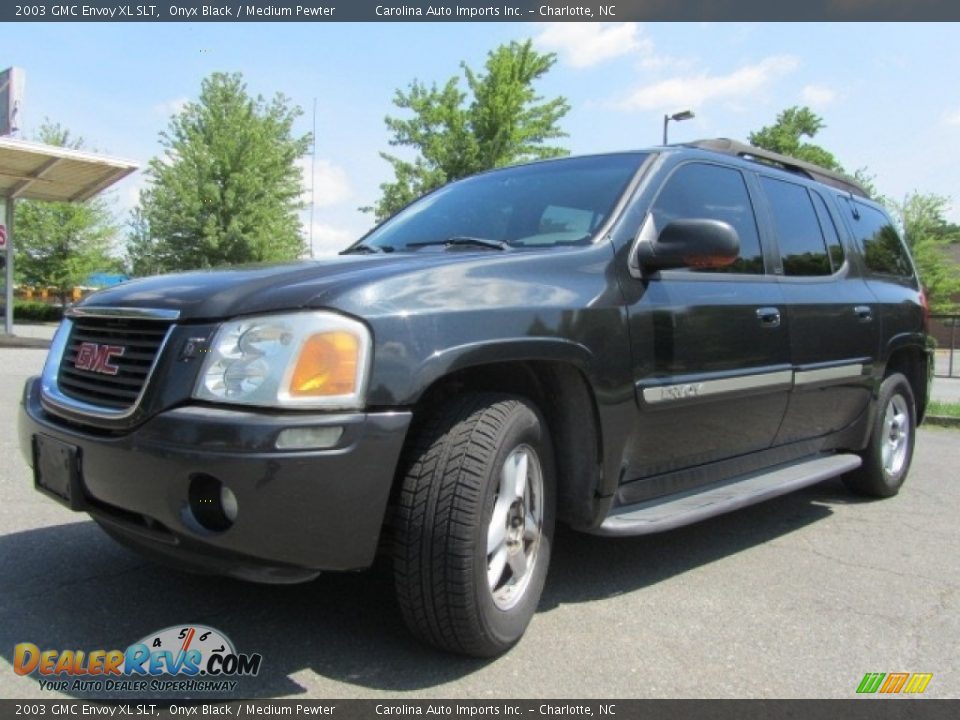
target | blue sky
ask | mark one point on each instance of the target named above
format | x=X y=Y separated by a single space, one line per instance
x=888 y=92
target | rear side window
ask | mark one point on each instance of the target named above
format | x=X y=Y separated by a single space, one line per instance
x=883 y=251
x=829 y=231
x=803 y=249
x=699 y=191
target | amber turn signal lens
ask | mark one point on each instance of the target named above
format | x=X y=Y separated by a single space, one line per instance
x=327 y=365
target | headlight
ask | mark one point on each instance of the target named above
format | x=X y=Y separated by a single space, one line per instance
x=303 y=360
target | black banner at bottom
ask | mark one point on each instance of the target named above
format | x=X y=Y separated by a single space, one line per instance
x=874 y=708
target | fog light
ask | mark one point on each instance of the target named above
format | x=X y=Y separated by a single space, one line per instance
x=309 y=438
x=228 y=501
x=212 y=505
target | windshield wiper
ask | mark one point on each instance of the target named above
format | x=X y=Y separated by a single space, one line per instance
x=365 y=248
x=463 y=240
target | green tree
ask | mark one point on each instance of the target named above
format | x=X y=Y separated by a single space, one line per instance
x=929 y=235
x=786 y=135
x=867 y=181
x=498 y=120
x=143 y=254
x=59 y=244
x=925 y=229
x=226 y=189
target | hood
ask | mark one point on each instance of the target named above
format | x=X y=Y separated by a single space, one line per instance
x=218 y=294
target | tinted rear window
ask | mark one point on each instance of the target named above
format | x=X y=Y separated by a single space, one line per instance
x=803 y=250
x=883 y=251
x=829 y=231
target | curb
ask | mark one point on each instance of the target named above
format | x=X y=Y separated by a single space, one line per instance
x=942 y=421
x=14 y=341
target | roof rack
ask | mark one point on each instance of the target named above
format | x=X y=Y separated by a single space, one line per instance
x=784 y=162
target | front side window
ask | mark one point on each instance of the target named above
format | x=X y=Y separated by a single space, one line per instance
x=803 y=250
x=712 y=192
x=546 y=204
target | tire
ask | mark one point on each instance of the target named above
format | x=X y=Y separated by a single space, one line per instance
x=886 y=459
x=463 y=464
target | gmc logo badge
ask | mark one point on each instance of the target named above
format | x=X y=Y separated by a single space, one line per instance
x=96 y=358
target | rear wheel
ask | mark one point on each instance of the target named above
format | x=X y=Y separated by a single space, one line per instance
x=886 y=459
x=473 y=523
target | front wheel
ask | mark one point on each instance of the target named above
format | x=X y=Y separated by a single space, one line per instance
x=473 y=524
x=886 y=459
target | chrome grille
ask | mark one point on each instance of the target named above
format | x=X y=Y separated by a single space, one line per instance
x=141 y=340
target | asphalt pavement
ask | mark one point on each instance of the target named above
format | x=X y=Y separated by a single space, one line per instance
x=797 y=597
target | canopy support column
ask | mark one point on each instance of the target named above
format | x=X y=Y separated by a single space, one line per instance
x=8 y=265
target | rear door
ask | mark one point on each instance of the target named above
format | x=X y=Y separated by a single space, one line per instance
x=832 y=315
x=889 y=273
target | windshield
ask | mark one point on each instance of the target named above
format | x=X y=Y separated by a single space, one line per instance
x=540 y=205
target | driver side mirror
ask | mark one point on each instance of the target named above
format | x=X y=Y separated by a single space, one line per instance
x=695 y=243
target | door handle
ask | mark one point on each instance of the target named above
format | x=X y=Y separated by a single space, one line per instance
x=864 y=313
x=769 y=317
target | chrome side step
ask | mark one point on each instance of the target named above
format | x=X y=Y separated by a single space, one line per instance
x=672 y=511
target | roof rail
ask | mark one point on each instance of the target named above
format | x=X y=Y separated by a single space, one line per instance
x=784 y=162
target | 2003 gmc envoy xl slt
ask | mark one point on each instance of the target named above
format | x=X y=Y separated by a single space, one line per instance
x=625 y=343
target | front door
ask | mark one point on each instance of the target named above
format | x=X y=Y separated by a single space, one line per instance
x=711 y=352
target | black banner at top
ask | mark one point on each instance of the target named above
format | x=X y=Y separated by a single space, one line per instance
x=474 y=10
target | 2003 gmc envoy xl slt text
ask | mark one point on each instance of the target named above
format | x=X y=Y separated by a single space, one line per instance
x=625 y=343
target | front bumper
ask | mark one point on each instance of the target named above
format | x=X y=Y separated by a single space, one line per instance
x=299 y=512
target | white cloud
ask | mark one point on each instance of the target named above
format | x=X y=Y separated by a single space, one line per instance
x=818 y=96
x=952 y=118
x=171 y=107
x=330 y=182
x=652 y=62
x=694 y=91
x=124 y=197
x=584 y=44
x=328 y=239
x=130 y=192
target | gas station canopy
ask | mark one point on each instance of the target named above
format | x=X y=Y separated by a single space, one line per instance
x=34 y=171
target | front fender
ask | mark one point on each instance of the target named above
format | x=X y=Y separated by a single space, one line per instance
x=486 y=352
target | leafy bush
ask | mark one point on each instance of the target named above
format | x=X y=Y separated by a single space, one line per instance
x=35 y=311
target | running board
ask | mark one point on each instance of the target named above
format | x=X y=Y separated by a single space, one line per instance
x=672 y=511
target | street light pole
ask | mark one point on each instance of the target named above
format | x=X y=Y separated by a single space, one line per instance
x=677 y=117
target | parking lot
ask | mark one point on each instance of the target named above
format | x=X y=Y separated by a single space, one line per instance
x=798 y=597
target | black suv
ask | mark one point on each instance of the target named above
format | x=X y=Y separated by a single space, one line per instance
x=625 y=343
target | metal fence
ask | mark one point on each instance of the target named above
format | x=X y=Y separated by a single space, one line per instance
x=946 y=331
